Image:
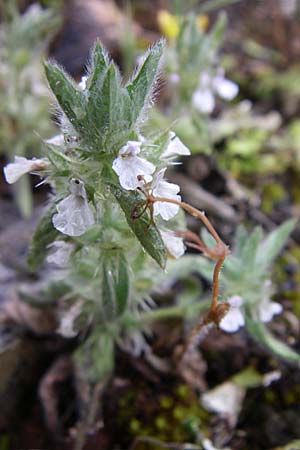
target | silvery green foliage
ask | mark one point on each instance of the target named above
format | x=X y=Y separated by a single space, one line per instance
x=246 y=285
x=23 y=95
x=109 y=259
x=193 y=53
x=195 y=82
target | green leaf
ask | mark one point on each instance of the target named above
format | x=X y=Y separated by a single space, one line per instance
x=69 y=97
x=273 y=244
x=249 y=250
x=146 y=232
x=261 y=334
x=60 y=161
x=214 y=38
x=240 y=240
x=43 y=235
x=105 y=106
x=115 y=283
x=141 y=87
x=248 y=378
x=96 y=355
x=100 y=62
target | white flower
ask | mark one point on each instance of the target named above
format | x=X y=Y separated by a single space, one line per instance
x=208 y=445
x=74 y=216
x=161 y=188
x=56 y=140
x=173 y=243
x=129 y=167
x=203 y=100
x=225 y=88
x=225 y=399
x=82 y=83
x=61 y=254
x=14 y=171
x=234 y=319
x=175 y=147
x=267 y=309
x=67 y=321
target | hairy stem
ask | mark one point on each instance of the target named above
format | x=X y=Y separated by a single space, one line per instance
x=218 y=252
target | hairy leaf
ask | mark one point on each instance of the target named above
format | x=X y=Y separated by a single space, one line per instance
x=273 y=244
x=100 y=62
x=141 y=86
x=115 y=283
x=261 y=334
x=69 y=97
x=146 y=232
x=43 y=235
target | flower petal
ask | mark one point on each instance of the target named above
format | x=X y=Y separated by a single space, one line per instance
x=162 y=188
x=14 y=171
x=175 y=147
x=173 y=243
x=166 y=210
x=234 y=319
x=203 y=100
x=225 y=88
x=56 y=140
x=130 y=167
x=74 y=216
x=82 y=83
x=61 y=254
x=268 y=309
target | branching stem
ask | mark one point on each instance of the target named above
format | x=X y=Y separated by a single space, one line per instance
x=217 y=253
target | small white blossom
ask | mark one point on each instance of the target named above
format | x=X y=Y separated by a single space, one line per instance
x=225 y=88
x=234 y=319
x=173 y=243
x=82 y=83
x=66 y=327
x=225 y=399
x=175 y=147
x=14 y=171
x=162 y=188
x=56 y=140
x=203 y=98
x=130 y=167
x=208 y=445
x=266 y=309
x=61 y=254
x=74 y=216
x=270 y=377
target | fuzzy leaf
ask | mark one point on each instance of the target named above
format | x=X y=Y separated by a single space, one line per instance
x=100 y=61
x=249 y=250
x=70 y=99
x=240 y=240
x=109 y=111
x=141 y=86
x=273 y=244
x=146 y=232
x=214 y=38
x=261 y=334
x=43 y=235
x=115 y=283
x=60 y=161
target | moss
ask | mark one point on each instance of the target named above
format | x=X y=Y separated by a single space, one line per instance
x=173 y=415
x=272 y=193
